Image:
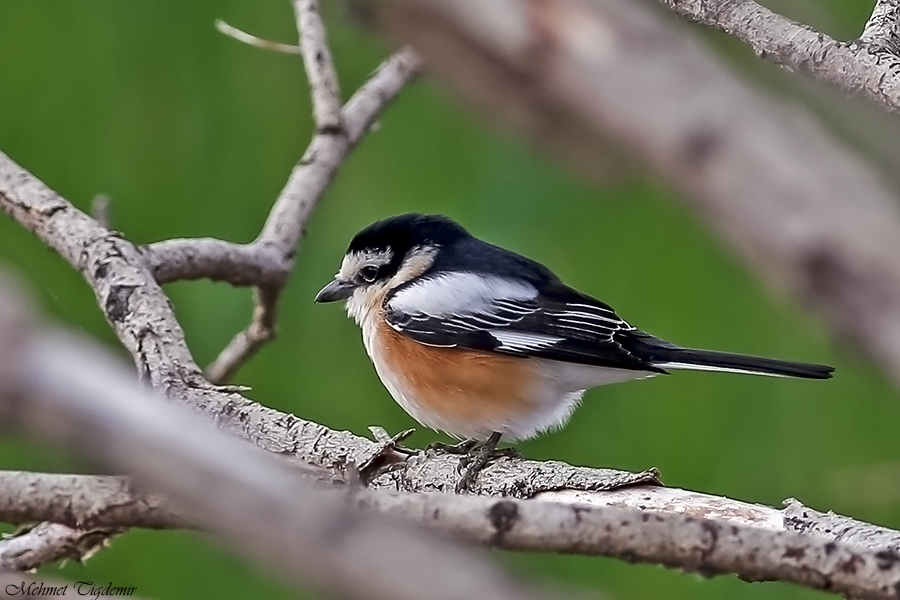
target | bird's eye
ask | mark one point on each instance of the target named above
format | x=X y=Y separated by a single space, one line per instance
x=368 y=273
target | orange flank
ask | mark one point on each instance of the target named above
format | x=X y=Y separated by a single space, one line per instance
x=460 y=385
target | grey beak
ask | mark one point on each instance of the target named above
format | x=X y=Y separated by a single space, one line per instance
x=338 y=289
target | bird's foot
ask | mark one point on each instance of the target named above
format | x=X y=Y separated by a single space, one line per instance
x=474 y=461
x=463 y=447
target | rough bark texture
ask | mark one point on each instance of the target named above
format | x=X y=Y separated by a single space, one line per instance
x=48 y=543
x=83 y=502
x=869 y=67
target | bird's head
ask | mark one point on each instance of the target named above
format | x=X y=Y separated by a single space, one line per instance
x=387 y=254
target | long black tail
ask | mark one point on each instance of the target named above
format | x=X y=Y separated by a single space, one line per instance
x=669 y=356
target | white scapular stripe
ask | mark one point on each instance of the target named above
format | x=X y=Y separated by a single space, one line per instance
x=459 y=293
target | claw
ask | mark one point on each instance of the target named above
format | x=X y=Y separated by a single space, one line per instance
x=474 y=462
x=463 y=447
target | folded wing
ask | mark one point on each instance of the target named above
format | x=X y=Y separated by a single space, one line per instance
x=494 y=314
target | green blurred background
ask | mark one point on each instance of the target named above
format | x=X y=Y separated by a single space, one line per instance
x=193 y=134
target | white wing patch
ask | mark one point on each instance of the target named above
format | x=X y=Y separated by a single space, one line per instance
x=519 y=341
x=459 y=293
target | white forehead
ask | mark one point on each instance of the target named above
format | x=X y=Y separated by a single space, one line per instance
x=354 y=261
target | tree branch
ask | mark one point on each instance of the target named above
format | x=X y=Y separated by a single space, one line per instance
x=217 y=260
x=131 y=300
x=144 y=321
x=267 y=262
x=48 y=543
x=75 y=395
x=311 y=176
x=869 y=69
x=687 y=530
x=249 y=341
x=83 y=502
x=252 y=40
x=320 y=71
x=330 y=146
x=882 y=30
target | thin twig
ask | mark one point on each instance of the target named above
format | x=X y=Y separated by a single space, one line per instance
x=307 y=183
x=252 y=40
x=249 y=341
x=323 y=81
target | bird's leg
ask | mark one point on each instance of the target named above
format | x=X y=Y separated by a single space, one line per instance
x=473 y=463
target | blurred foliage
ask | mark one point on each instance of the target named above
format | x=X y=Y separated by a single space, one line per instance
x=192 y=134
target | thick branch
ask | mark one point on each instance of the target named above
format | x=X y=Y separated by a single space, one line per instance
x=75 y=395
x=700 y=545
x=687 y=530
x=87 y=501
x=863 y=69
x=83 y=502
x=131 y=300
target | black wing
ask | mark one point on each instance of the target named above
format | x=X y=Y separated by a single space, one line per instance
x=574 y=328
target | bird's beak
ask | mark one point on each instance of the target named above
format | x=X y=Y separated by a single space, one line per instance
x=338 y=289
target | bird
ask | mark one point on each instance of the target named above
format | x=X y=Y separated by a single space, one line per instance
x=485 y=344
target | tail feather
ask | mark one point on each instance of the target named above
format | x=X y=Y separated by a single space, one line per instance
x=669 y=356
